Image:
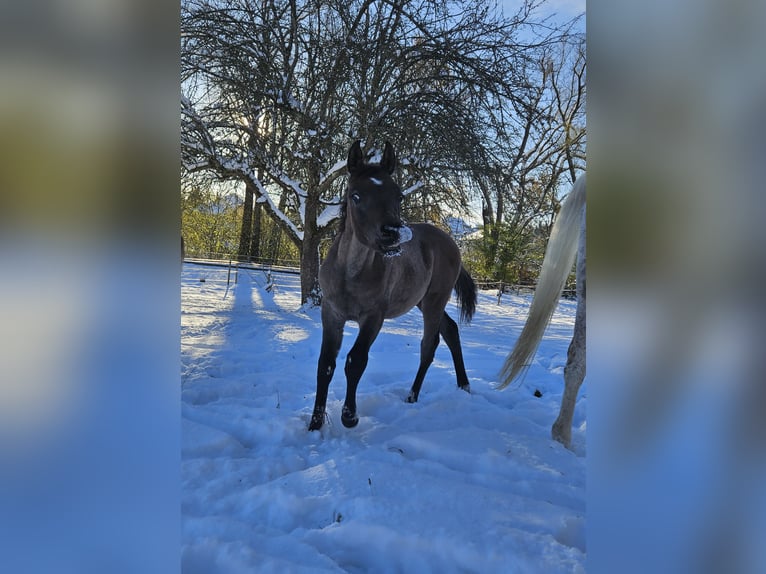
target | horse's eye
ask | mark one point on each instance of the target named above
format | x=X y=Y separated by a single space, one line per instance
x=355 y=197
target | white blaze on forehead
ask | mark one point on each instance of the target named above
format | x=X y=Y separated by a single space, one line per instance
x=376 y=181
x=405 y=234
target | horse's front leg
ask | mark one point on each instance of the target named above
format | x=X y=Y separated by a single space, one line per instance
x=356 y=362
x=332 y=336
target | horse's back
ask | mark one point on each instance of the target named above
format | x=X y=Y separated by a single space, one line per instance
x=438 y=246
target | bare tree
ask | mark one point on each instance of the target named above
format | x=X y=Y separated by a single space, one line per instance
x=568 y=85
x=540 y=136
x=275 y=91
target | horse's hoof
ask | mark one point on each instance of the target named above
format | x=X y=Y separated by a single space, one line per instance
x=466 y=388
x=412 y=398
x=316 y=422
x=349 y=422
x=315 y=425
x=559 y=434
x=349 y=419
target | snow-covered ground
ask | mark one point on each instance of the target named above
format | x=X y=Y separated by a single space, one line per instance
x=453 y=483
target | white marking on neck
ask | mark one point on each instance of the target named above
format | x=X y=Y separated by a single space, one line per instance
x=376 y=181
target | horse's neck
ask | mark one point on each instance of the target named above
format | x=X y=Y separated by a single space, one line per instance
x=354 y=255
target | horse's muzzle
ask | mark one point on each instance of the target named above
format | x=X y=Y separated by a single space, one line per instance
x=391 y=238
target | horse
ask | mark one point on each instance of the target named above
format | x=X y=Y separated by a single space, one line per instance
x=563 y=245
x=379 y=268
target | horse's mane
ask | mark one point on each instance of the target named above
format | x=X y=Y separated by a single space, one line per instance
x=342 y=214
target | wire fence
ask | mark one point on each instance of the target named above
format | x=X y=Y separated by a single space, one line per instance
x=293 y=266
x=226 y=259
x=518 y=289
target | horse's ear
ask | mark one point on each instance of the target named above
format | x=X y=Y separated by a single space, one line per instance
x=355 y=158
x=389 y=158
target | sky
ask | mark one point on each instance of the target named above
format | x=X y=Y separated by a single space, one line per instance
x=564 y=9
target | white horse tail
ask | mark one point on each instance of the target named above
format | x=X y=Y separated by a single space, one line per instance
x=559 y=258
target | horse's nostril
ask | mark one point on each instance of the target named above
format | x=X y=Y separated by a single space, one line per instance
x=390 y=230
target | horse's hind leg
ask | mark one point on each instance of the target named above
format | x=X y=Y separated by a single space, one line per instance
x=428 y=344
x=449 y=332
x=356 y=363
x=332 y=336
x=574 y=373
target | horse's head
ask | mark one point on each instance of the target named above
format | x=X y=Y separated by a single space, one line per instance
x=373 y=202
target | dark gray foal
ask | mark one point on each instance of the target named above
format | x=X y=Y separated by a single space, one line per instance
x=378 y=268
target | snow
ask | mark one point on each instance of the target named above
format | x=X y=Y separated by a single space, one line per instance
x=457 y=482
x=329 y=214
x=339 y=166
x=264 y=197
x=413 y=188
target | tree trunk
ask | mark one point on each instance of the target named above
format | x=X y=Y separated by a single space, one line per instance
x=493 y=239
x=310 y=267
x=246 y=232
x=275 y=234
x=255 y=243
x=310 y=248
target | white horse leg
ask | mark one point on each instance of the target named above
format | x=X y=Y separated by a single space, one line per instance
x=574 y=371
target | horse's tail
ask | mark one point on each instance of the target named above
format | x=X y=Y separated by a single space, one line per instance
x=559 y=258
x=466 y=295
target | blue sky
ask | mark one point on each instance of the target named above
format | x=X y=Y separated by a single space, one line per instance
x=565 y=9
